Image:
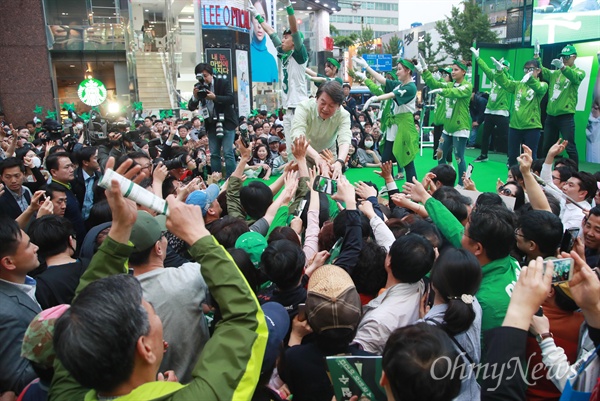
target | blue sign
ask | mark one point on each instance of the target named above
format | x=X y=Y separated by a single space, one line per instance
x=379 y=62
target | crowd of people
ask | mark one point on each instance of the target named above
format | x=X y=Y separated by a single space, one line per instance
x=242 y=289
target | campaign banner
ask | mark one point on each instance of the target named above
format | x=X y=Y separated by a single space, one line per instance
x=243 y=86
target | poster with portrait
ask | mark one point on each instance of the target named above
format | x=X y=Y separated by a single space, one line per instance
x=243 y=85
x=263 y=55
x=592 y=129
x=220 y=60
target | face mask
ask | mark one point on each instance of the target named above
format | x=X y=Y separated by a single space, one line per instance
x=36 y=161
x=368 y=144
x=79 y=126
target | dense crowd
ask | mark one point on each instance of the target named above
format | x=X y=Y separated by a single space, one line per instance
x=242 y=290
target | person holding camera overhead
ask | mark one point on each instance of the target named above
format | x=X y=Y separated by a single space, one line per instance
x=215 y=99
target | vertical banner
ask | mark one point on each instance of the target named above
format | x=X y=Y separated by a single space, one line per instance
x=243 y=93
x=263 y=54
x=220 y=60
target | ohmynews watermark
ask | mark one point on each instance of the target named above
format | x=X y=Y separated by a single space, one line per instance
x=500 y=372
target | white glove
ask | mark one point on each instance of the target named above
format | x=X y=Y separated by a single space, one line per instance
x=421 y=65
x=359 y=61
x=369 y=101
x=498 y=64
x=526 y=77
x=360 y=75
x=558 y=63
x=252 y=10
x=288 y=3
x=536 y=51
x=434 y=91
x=475 y=52
x=437 y=75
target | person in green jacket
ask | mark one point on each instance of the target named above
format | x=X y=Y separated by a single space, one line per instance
x=439 y=113
x=563 y=85
x=497 y=109
x=110 y=340
x=525 y=117
x=458 y=118
x=401 y=133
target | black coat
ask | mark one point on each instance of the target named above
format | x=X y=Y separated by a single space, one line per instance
x=224 y=104
x=78 y=186
x=9 y=206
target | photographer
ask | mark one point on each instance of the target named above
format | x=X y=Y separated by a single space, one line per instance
x=215 y=99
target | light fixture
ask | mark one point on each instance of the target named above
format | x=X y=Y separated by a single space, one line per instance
x=113 y=108
x=190 y=17
x=72 y=66
x=309 y=8
x=147 y=11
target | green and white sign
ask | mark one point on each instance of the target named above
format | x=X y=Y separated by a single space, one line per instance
x=92 y=92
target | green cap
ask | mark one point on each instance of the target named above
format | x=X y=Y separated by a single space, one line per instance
x=254 y=244
x=145 y=232
x=506 y=63
x=334 y=62
x=447 y=70
x=568 y=50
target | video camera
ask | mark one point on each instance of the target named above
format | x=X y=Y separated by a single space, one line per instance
x=202 y=86
x=52 y=129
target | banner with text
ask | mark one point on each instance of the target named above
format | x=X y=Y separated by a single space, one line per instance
x=231 y=14
x=220 y=60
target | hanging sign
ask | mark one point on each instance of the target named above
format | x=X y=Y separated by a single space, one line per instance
x=92 y=92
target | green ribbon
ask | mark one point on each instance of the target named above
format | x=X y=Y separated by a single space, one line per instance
x=137 y=106
x=51 y=114
x=38 y=109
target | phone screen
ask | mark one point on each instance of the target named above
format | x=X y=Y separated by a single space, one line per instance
x=563 y=270
x=568 y=239
x=469 y=171
x=301 y=312
x=325 y=185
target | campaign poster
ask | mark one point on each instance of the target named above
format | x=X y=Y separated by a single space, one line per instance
x=263 y=55
x=243 y=85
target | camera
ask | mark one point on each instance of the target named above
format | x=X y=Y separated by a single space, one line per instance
x=52 y=129
x=178 y=162
x=202 y=86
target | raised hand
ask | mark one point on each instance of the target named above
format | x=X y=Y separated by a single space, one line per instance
x=475 y=52
x=365 y=191
x=421 y=64
x=299 y=147
x=558 y=63
x=359 y=61
x=525 y=160
x=434 y=91
x=536 y=51
x=498 y=64
x=557 y=148
x=386 y=172
x=526 y=77
x=416 y=191
x=369 y=101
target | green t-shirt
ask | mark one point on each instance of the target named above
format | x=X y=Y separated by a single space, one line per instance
x=526 y=111
x=562 y=89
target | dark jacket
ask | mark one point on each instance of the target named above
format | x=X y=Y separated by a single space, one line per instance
x=224 y=104
x=477 y=108
x=17 y=310
x=78 y=186
x=9 y=206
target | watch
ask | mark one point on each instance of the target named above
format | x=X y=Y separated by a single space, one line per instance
x=541 y=337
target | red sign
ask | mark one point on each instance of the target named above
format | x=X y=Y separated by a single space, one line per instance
x=328 y=43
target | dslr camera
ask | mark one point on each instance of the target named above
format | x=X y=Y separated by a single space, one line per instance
x=202 y=86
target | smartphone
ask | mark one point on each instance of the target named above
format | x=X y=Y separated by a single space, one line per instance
x=568 y=239
x=300 y=208
x=301 y=312
x=563 y=270
x=325 y=185
x=469 y=171
x=430 y=296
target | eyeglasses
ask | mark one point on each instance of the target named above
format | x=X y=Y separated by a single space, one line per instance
x=518 y=234
x=529 y=69
x=506 y=192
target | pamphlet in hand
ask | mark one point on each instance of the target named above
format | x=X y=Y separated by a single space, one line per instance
x=356 y=375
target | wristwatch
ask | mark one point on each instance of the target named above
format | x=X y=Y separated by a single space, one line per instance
x=541 y=337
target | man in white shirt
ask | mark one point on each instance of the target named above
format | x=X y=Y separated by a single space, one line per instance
x=326 y=125
x=409 y=259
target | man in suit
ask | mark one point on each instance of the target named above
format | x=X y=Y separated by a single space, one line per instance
x=16 y=197
x=86 y=179
x=62 y=170
x=18 y=305
x=218 y=109
x=349 y=103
